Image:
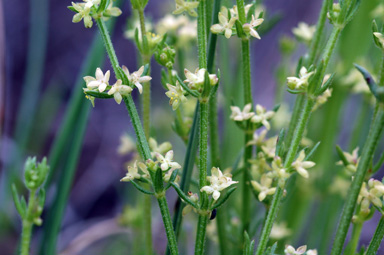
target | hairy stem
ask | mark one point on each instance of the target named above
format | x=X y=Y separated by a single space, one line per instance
x=28 y=224
x=352 y=246
x=172 y=243
x=377 y=238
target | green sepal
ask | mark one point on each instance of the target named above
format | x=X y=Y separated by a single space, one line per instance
x=375 y=39
x=140 y=188
x=248 y=244
x=158 y=181
x=72 y=8
x=207 y=85
x=239 y=29
x=312 y=151
x=280 y=143
x=326 y=85
x=102 y=6
x=97 y=94
x=183 y=196
x=20 y=209
x=186 y=88
x=224 y=198
x=171 y=179
x=341 y=155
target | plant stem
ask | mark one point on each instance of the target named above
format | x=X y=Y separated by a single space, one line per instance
x=28 y=224
x=142 y=141
x=377 y=238
x=367 y=152
x=352 y=246
x=168 y=224
x=201 y=231
x=202 y=33
x=298 y=135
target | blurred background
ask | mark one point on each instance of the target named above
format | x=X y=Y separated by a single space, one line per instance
x=43 y=56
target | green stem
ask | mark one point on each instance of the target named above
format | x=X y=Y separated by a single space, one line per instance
x=352 y=247
x=202 y=34
x=367 y=152
x=376 y=239
x=246 y=65
x=28 y=224
x=201 y=231
x=298 y=135
x=172 y=243
x=246 y=197
x=142 y=141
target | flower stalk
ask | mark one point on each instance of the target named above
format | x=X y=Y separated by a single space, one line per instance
x=377 y=238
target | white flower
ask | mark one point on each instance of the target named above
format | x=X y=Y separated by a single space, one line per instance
x=250 y=27
x=300 y=82
x=269 y=147
x=278 y=170
x=132 y=173
x=234 y=11
x=264 y=187
x=323 y=98
x=352 y=159
x=111 y=11
x=119 y=90
x=186 y=34
x=379 y=36
x=290 y=250
x=170 y=24
x=218 y=182
x=258 y=139
x=100 y=82
x=312 y=252
x=280 y=231
x=373 y=193
x=176 y=95
x=189 y=7
x=262 y=116
x=83 y=10
x=196 y=80
x=238 y=115
x=304 y=32
x=225 y=25
x=300 y=166
x=126 y=145
x=155 y=148
x=166 y=161
x=136 y=78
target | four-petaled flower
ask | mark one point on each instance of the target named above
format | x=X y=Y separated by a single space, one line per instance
x=264 y=187
x=100 y=82
x=290 y=250
x=136 y=78
x=185 y=6
x=132 y=174
x=238 y=115
x=258 y=139
x=83 y=12
x=300 y=166
x=304 y=32
x=300 y=82
x=262 y=116
x=176 y=95
x=218 y=182
x=225 y=24
x=196 y=80
x=250 y=27
x=119 y=90
x=166 y=161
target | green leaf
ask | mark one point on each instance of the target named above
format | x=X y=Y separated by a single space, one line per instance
x=171 y=179
x=41 y=197
x=341 y=155
x=137 y=40
x=376 y=90
x=182 y=195
x=280 y=143
x=326 y=85
x=224 y=198
x=158 y=181
x=239 y=29
x=140 y=188
x=185 y=87
x=102 y=6
x=72 y=9
x=375 y=39
x=311 y=152
x=16 y=200
x=293 y=91
x=97 y=94
x=207 y=85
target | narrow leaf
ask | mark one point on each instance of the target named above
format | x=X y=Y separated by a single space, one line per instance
x=224 y=198
x=140 y=188
x=182 y=195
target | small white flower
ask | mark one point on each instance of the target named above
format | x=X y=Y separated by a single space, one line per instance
x=300 y=82
x=269 y=147
x=238 y=115
x=300 y=166
x=170 y=24
x=196 y=80
x=225 y=25
x=166 y=161
x=373 y=193
x=262 y=116
x=264 y=187
x=176 y=95
x=136 y=78
x=127 y=145
x=379 y=36
x=111 y=11
x=250 y=27
x=312 y=252
x=132 y=173
x=235 y=13
x=280 y=231
x=83 y=10
x=155 y=148
x=278 y=170
x=258 y=139
x=352 y=159
x=186 y=6
x=100 y=82
x=290 y=250
x=119 y=90
x=218 y=182
x=304 y=32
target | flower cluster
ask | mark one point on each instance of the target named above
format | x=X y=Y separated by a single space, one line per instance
x=100 y=83
x=371 y=192
x=290 y=250
x=176 y=95
x=261 y=116
x=196 y=80
x=218 y=182
x=186 y=6
x=301 y=82
x=85 y=11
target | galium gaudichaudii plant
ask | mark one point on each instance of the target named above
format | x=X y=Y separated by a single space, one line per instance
x=269 y=166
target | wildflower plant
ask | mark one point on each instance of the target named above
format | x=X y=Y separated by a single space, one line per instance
x=278 y=159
